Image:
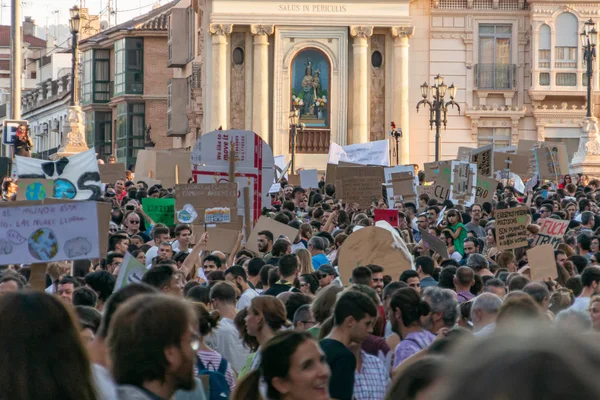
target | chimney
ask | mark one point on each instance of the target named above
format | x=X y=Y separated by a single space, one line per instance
x=29 y=26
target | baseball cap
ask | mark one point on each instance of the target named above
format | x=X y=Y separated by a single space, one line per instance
x=327 y=269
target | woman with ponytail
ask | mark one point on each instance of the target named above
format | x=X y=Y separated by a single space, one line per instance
x=209 y=359
x=292 y=367
x=405 y=311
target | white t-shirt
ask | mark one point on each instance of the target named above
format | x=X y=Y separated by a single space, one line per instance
x=104 y=383
x=150 y=254
x=225 y=339
x=246 y=299
x=581 y=304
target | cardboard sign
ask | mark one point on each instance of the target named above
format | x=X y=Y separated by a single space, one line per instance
x=161 y=210
x=387 y=173
x=441 y=173
x=371 y=153
x=309 y=178
x=219 y=238
x=34 y=189
x=265 y=223
x=75 y=178
x=293 y=180
x=511 y=163
x=552 y=160
x=110 y=173
x=51 y=231
x=551 y=232
x=281 y=167
x=511 y=227
x=483 y=157
x=389 y=215
x=486 y=187
x=542 y=263
x=275 y=188
x=170 y=167
x=204 y=202
x=464 y=154
x=435 y=243
x=131 y=271
x=359 y=185
x=403 y=187
x=374 y=245
x=434 y=169
x=463 y=178
x=526 y=146
x=330 y=174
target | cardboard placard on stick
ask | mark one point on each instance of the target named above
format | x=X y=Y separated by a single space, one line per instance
x=293 y=180
x=464 y=154
x=34 y=189
x=403 y=187
x=515 y=163
x=247 y=217
x=37 y=277
x=389 y=215
x=161 y=210
x=265 y=223
x=551 y=232
x=309 y=178
x=463 y=178
x=110 y=173
x=434 y=243
x=167 y=166
x=359 y=185
x=219 y=238
x=511 y=227
x=206 y=202
x=486 y=187
x=542 y=263
x=552 y=160
x=483 y=157
x=434 y=170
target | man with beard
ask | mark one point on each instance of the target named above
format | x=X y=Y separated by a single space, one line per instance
x=444 y=309
x=265 y=243
x=237 y=276
x=152 y=345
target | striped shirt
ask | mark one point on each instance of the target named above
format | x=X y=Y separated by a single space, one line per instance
x=211 y=360
x=371 y=382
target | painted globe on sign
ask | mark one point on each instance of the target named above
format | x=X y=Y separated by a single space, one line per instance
x=64 y=189
x=43 y=244
x=35 y=191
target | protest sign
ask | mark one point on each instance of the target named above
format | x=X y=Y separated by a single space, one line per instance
x=434 y=243
x=275 y=188
x=293 y=180
x=463 y=179
x=531 y=183
x=389 y=215
x=434 y=169
x=526 y=146
x=542 y=263
x=75 y=178
x=439 y=173
x=551 y=232
x=511 y=227
x=161 y=210
x=219 y=238
x=403 y=187
x=374 y=245
x=278 y=229
x=515 y=163
x=109 y=173
x=483 y=157
x=387 y=173
x=254 y=165
x=206 y=203
x=170 y=167
x=464 y=154
x=34 y=189
x=359 y=185
x=486 y=187
x=280 y=168
x=552 y=160
x=371 y=153
x=309 y=178
x=131 y=271
x=50 y=231
x=330 y=174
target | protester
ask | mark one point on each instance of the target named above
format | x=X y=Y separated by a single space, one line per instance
x=237 y=276
x=288 y=270
x=483 y=313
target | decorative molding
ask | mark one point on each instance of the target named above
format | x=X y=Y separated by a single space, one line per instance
x=361 y=32
x=262 y=29
x=403 y=31
x=220 y=29
x=440 y=35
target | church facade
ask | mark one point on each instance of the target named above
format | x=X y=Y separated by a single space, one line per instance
x=350 y=68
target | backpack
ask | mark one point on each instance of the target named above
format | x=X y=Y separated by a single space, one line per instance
x=218 y=386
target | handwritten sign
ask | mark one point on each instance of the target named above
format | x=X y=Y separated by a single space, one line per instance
x=483 y=157
x=486 y=187
x=53 y=232
x=464 y=154
x=160 y=210
x=552 y=160
x=463 y=178
x=551 y=231
x=511 y=227
x=198 y=198
x=34 y=189
x=390 y=216
x=403 y=187
x=511 y=163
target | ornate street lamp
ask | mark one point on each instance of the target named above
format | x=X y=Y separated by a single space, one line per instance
x=588 y=41
x=74 y=24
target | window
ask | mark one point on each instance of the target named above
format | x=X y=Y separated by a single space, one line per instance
x=494 y=70
x=500 y=137
x=544 y=50
x=129 y=66
x=87 y=80
x=98 y=132
x=131 y=124
x=376 y=59
x=544 y=79
x=238 y=56
x=96 y=77
x=566 y=41
x=169 y=102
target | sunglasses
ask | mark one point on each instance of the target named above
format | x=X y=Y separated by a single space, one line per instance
x=134 y=222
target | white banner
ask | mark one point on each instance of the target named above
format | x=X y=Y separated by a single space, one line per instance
x=371 y=153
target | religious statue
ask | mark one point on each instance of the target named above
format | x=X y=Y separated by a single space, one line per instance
x=309 y=90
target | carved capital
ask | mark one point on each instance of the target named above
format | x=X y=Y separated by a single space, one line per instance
x=362 y=32
x=262 y=29
x=403 y=31
x=220 y=29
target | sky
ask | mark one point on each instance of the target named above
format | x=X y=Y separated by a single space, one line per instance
x=44 y=11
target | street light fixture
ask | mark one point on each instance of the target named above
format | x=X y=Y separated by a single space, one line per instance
x=74 y=24
x=438 y=106
x=588 y=41
x=295 y=124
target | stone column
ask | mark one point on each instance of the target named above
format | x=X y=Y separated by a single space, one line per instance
x=260 y=94
x=218 y=112
x=360 y=109
x=401 y=86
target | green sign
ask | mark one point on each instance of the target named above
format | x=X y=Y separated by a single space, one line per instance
x=162 y=211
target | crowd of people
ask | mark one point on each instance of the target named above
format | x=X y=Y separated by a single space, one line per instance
x=210 y=323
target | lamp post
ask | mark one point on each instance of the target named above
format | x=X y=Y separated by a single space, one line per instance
x=74 y=23
x=438 y=106
x=588 y=41
x=295 y=124
x=396 y=134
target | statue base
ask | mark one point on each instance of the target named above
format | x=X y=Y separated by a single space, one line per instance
x=74 y=139
x=586 y=159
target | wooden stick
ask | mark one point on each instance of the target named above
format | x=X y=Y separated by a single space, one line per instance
x=231 y=163
x=37 y=278
x=247 y=217
x=176 y=174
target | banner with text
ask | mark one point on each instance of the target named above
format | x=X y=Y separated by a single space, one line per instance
x=511 y=227
x=371 y=153
x=551 y=231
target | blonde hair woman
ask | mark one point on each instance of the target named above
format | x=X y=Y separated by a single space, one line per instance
x=305 y=264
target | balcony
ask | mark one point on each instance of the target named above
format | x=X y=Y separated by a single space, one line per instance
x=312 y=141
x=495 y=76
